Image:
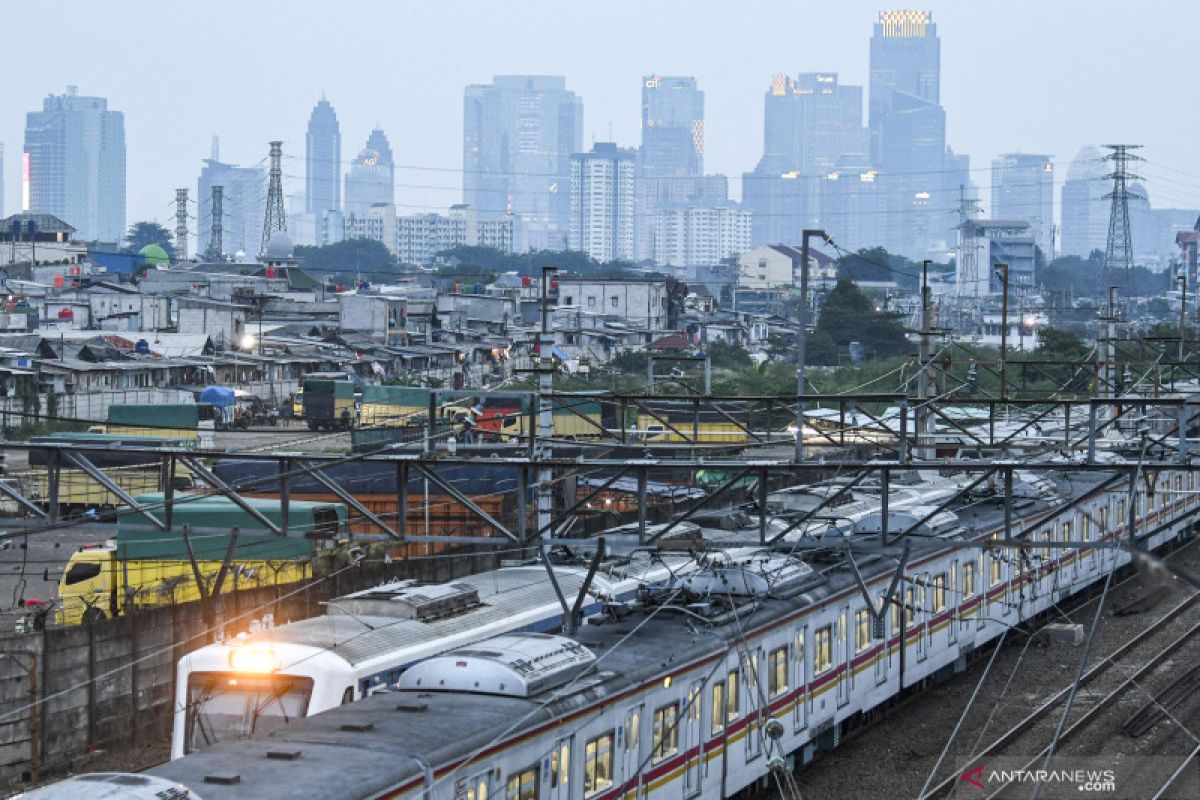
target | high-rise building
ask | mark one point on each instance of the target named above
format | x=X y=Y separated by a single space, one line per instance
x=672 y=127
x=420 y=237
x=908 y=132
x=371 y=179
x=519 y=132
x=244 y=205
x=1023 y=188
x=601 y=202
x=700 y=236
x=1084 y=210
x=322 y=160
x=74 y=164
x=850 y=203
x=809 y=123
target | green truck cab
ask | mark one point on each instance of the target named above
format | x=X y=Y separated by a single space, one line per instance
x=146 y=566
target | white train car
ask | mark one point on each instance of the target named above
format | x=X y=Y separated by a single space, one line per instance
x=255 y=682
x=717 y=679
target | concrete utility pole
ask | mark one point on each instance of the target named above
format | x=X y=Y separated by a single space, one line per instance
x=545 y=428
x=1183 y=290
x=1106 y=369
x=1002 y=274
x=800 y=344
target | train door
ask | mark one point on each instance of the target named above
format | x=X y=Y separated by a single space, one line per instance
x=693 y=741
x=801 y=666
x=881 y=662
x=630 y=745
x=754 y=703
x=558 y=776
x=841 y=635
x=950 y=598
x=920 y=618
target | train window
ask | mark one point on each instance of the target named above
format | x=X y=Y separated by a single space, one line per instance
x=939 y=593
x=666 y=732
x=862 y=630
x=823 y=650
x=895 y=614
x=478 y=786
x=732 y=706
x=325 y=523
x=633 y=724
x=82 y=572
x=798 y=656
x=993 y=570
x=1120 y=509
x=523 y=785
x=1104 y=520
x=910 y=607
x=597 y=764
x=560 y=764
x=348 y=695
x=694 y=703
x=777 y=670
x=718 y=707
x=750 y=669
x=968 y=579
x=1066 y=530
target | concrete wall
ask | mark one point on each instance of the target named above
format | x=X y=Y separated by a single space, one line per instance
x=66 y=692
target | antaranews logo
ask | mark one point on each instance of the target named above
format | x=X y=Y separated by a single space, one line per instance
x=1081 y=780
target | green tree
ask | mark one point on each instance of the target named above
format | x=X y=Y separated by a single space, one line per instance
x=848 y=315
x=347 y=259
x=141 y=234
x=723 y=355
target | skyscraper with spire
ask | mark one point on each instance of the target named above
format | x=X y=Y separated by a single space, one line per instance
x=371 y=179
x=322 y=159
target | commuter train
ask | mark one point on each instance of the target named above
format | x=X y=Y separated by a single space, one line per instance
x=367 y=639
x=716 y=678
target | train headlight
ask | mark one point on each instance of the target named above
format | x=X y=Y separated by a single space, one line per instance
x=256 y=658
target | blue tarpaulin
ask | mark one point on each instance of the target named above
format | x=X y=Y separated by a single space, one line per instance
x=219 y=396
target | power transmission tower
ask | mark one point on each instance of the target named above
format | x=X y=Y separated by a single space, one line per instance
x=275 y=220
x=215 y=246
x=1119 y=251
x=968 y=272
x=181 y=226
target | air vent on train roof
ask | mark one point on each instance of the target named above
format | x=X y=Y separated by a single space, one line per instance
x=939 y=524
x=747 y=577
x=516 y=665
x=405 y=600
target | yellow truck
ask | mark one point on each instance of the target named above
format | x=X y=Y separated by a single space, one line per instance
x=145 y=566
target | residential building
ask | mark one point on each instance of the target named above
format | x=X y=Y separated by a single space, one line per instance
x=371 y=179
x=74 y=165
x=378 y=223
x=986 y=243
x=601 y=222
x=38 y=239
x=519 y=132
x=1023 y=188
x=643 y=303
x=381 y=317
x=700 y=235
x=777 y=266
x=809 y=123
x=420 y=237
x=243 y=204
x=323 y=162
x=907 y=126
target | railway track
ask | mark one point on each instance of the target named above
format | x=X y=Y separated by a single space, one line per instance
x=1124 y=669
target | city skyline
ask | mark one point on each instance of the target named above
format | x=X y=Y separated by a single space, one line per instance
x=158 y=165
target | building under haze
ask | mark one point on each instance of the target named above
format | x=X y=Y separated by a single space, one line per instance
x=519 y=132
x=1023 y=188
x=1 y=180
x=601 y=202
x=670 y=164
x=323 y=161
x=244 y=205
x=420 y=237
x=700 y=236
x=907 y=127
x=1085 y=212
x=74 y=165
x=809 y=124
x=371 y=180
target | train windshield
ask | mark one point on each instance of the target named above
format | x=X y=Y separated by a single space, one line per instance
x=226 y=706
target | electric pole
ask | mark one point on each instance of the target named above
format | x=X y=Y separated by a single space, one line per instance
x=800 y=344
x=1002 y=274
x=926 y=384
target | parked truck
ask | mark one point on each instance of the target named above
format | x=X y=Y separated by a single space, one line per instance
x=329 y=405
x=147 y=566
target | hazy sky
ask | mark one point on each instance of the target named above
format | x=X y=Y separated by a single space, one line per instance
x=1043 y=76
